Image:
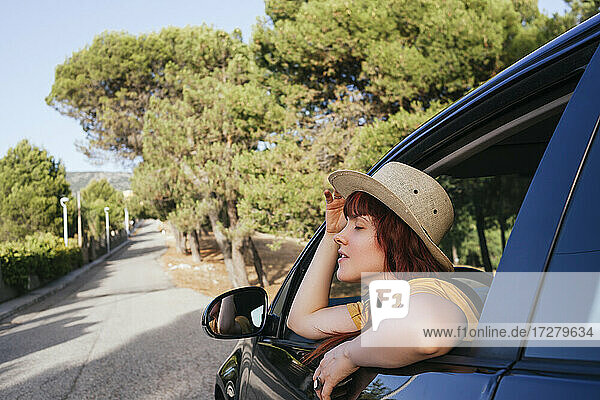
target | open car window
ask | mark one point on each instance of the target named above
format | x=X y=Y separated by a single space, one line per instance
x=487 y=170
x=487 y=189
x=487 y=180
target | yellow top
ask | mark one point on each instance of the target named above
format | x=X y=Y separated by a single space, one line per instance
x=437 y=287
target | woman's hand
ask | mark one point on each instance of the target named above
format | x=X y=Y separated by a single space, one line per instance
x=334 y=367
x=335 y=220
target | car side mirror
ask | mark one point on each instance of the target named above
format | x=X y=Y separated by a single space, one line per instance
x=236 y=314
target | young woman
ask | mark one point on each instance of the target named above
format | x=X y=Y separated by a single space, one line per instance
x=389 y=223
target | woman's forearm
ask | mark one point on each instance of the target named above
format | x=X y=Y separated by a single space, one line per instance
x=313 y=293
x=402 y=340
x=386 y=357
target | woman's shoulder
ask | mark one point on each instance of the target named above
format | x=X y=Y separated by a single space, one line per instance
x=446 y=290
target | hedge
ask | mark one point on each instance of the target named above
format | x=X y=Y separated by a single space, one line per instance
x=41 y=254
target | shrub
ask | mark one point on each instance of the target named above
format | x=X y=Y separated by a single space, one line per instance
x=42 y=254
x=14 y=265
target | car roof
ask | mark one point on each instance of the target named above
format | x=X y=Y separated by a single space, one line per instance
x=584 y=36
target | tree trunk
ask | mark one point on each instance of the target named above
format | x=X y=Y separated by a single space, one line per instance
x=194 y=246
x=179 y=242
x=237 y=256
x=260 y=273
x=502 y=233
x=225 y=246
x=455 y=259
x=201 y=231
x=184 y=243
x=199 y=234
x=485 y=255
x=179 y=239
x=92 y=248
x=237 y=246
x=231 y=251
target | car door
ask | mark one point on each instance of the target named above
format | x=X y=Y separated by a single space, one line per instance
x=276 y=371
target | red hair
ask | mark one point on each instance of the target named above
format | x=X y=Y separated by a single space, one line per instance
x=403 y=248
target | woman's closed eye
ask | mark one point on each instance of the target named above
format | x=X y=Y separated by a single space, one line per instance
x=358 y=223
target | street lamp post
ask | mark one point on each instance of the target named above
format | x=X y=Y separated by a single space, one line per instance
x=63 y=203
x=127 y=221
x=79 y=230
x=107 y=230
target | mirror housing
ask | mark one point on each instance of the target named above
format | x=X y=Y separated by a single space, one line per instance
x=239 y=313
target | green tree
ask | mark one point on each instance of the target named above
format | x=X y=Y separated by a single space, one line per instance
x=281 y=190
x=372 y=141
x=107 y=86
x=189 y=219
x=194 y=139
x=157 y=187
x=529 y=29
x=219 y=117
x=391 y=53
x=324 y=84
x=390 y=66
x=138 y=209
x=121 y=85
x=94 y=197
x=152 y=187
x=31 y=185
x=583 y=9
x=372 y=72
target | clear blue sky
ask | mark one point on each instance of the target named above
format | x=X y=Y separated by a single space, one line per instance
x=38 y=35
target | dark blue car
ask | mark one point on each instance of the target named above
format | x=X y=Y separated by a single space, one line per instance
x=534 y=126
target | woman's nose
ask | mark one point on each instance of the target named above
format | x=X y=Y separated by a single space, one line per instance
x=340 y=238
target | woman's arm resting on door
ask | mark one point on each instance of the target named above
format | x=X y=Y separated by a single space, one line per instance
x=309 y=315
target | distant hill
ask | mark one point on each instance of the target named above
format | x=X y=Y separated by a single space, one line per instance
x=79 y=180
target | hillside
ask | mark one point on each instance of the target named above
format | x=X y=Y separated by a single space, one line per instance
x=79 y=180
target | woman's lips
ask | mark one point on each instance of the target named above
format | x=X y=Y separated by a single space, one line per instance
x=341 y=256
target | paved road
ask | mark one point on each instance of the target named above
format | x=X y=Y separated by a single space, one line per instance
x=120 y=331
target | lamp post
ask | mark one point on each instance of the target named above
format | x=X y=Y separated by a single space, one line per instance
x=127 y=221
x=107 y=230
x=63 y=203
x=79 y=230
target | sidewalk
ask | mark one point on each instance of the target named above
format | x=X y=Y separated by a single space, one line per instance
x=11 y=307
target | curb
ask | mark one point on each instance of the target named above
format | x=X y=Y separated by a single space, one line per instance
x=11 y=307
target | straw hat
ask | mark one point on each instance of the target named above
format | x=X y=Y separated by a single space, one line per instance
x=416 y=197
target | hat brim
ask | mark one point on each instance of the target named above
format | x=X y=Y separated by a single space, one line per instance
x=346 y=182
